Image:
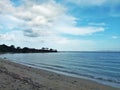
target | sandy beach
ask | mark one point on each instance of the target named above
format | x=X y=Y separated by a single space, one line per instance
x=15 y=76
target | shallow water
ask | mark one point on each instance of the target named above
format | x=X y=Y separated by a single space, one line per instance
x=103 y=67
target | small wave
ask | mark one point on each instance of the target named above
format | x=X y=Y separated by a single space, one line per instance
x=83 y=75
x=109 y=80
x=62 y=69
x=57 y=66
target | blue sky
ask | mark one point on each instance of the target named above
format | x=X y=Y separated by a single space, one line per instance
x=75 y=25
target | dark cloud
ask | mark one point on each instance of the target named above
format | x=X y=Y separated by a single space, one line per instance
x=30 y=33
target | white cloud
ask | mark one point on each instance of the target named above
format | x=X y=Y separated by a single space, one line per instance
x=48 y=17
x=97 y=24
x=67 y=24
x=44 y=21
x=74 y=45
x=115 y=37
x=9 y=22
x=80 y=30
x=11 y=36
x=6 y=7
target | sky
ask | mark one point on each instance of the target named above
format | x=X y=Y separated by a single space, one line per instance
x=65 y=25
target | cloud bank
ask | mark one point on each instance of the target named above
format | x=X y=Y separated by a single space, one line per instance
x=42 y=21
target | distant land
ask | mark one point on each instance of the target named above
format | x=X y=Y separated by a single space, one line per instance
x=11 y=49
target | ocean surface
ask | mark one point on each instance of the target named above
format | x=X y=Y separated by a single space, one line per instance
x=103 y=67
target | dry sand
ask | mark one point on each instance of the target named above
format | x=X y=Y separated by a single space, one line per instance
x=15 y=76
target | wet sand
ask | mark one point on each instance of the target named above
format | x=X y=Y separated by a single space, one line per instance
x=15 y=76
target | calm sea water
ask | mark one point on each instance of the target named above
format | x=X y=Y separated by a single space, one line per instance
x=103 y=67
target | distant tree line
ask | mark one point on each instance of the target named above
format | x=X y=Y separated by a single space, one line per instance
x=5 y=49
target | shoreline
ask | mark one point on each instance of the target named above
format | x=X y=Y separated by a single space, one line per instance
x=20 y=77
